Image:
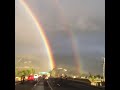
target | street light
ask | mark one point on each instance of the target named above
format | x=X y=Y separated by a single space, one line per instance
x=103 y=68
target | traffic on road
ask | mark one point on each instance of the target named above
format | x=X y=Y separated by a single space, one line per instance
x=43 y=83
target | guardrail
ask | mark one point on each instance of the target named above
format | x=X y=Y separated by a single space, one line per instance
x=85 y=82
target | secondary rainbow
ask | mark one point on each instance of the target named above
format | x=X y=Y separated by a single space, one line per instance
x=42 y=33
x=66 y=24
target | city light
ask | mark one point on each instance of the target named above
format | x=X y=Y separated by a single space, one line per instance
x=74 y=76
x=65 y=70
x=60 y=68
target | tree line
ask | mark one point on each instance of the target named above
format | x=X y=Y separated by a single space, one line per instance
x=25 y=72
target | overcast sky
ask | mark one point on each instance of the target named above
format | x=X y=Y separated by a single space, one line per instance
x=84 y=18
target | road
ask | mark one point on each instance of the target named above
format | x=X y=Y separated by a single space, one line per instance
x=52 y=84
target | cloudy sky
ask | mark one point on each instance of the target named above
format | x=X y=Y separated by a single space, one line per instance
x=72 y=27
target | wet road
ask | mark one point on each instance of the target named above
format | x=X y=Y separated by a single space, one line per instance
x=53 y=84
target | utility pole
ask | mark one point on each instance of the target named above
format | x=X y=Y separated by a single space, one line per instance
x=104 y=69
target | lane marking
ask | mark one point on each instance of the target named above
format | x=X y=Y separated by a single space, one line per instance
x=58 y=84
x=49 y=85
x=36 y=83
x=38 y=87
x=34 y=86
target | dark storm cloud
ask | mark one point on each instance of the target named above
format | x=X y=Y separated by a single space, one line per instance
x=90 y=45
x=85 y=18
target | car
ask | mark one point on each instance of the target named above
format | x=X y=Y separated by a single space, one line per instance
x=30 y=78
x=35 y=77
x=46 y=77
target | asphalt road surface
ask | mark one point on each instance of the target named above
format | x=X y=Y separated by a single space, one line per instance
x=52 y=84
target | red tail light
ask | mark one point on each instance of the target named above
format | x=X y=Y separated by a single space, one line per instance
x=30 y=78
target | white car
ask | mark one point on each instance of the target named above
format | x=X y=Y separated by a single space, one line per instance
x=46 y=77
x=35 y=77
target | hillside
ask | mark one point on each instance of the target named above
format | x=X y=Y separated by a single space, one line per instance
x=31 y=61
